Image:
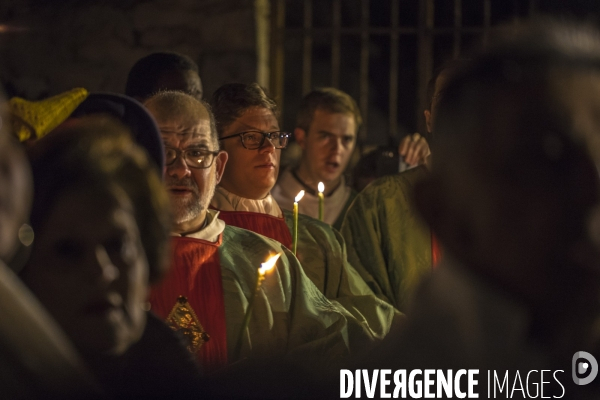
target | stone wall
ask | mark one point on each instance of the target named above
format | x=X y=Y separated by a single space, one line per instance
x=47 y=47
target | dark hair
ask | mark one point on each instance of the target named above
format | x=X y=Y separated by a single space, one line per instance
x=328 y=99
x=143 y=76
x=448 y=69
x=232 y=99
x=98 y=152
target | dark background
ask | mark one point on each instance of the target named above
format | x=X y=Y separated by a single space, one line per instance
x=410 y=117
x=49 y=46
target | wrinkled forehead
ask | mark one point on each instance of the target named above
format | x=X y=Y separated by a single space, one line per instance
x=182 y=123
x=180 y=134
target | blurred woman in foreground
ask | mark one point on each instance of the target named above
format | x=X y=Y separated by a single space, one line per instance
x=101 y=220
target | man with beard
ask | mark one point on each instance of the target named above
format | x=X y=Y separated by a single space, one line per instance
x=250 y=134
x=213 y=277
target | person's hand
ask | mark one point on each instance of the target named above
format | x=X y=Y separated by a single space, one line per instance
x=415 y=150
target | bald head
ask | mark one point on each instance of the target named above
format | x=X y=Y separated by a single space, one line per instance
x=194 y=164
x=173 y=107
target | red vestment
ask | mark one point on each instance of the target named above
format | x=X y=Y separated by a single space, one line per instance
x=436 y=251
x=196 y=274
x=264 y=224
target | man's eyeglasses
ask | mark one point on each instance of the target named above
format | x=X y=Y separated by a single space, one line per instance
x=253 y=140
x=193 y=157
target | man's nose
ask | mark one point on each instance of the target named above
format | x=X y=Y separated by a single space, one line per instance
x=179 y=169
x=267 y=147
x=104 y=269
x=336 y=145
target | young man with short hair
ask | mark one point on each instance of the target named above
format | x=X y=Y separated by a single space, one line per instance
x=327 y=125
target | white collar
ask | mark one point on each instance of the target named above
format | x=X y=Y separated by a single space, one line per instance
x=226 y=201
x=211 y=231
x=288 y=187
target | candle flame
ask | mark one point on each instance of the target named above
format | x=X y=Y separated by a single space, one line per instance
x=321 y=187
x=299 y=196
x=269 y=264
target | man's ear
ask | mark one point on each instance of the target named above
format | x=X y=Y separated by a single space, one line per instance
x=221 y=161
x=428 y=121
x=300 y=136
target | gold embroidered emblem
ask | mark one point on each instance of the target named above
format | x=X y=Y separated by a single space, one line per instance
x=182 y=318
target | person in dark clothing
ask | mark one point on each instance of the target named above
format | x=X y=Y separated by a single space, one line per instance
x=163 y=71
x=101 y=217
x=36 y=358
x=514 y=197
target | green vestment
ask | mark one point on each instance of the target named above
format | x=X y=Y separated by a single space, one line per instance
x=290 y=317
x=322 y=252
x=388 y=243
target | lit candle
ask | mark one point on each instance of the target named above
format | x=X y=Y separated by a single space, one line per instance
x=321 y=200
x=260 y=277
x=295 y=227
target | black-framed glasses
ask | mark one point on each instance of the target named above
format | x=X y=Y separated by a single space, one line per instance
x=253 y=140
x=193 y=157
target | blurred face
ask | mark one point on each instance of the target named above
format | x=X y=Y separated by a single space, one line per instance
x=251 y=173
x=191 y=189
x=89 y=269
x=440 y=83
x=15 y=193
x=183 y=81
x=519 y=204
x=327 y=146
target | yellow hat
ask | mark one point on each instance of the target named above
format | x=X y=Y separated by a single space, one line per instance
x=35 y=119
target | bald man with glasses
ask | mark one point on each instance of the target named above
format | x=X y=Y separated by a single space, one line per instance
x=213 y=274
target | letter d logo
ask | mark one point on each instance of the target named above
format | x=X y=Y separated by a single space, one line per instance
x=584 y=364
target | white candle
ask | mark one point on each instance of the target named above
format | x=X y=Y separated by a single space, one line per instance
x=295 y=224
x=321 y=200
x=264 y=268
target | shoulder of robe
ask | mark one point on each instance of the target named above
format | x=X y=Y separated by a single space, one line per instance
x=234 y=236
x=391 y=184
x=243 y=251
x=321 y=232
